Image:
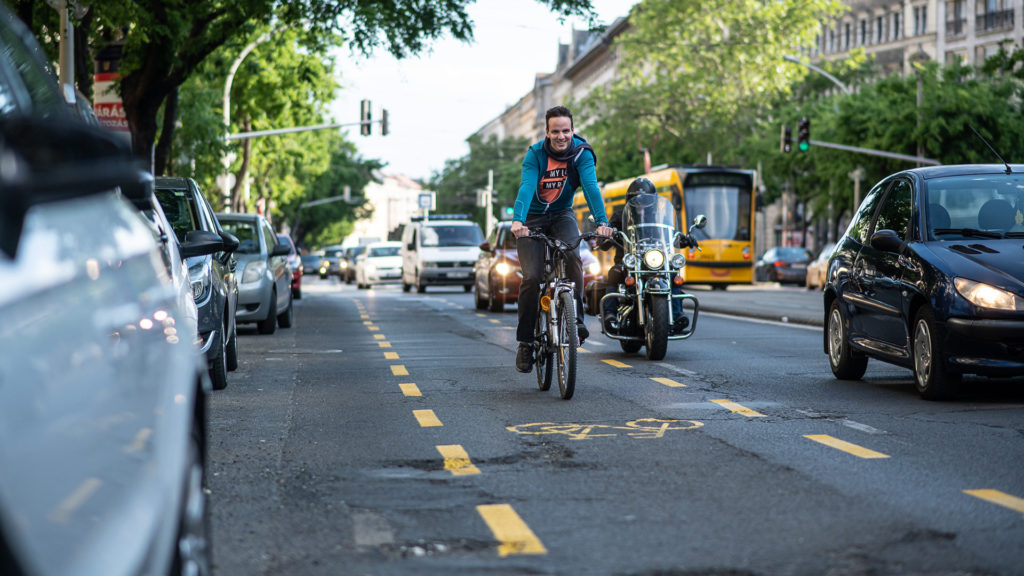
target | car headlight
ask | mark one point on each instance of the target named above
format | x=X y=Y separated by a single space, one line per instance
x=502 y=268
x=677 y=261
x=654 y=259
x=629 y=261
x=254 y=271
x=594 y=268
x=200 y=277
x=370 y=268
x=987 y=296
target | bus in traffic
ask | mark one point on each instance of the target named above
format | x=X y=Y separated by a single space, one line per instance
x=726 y=195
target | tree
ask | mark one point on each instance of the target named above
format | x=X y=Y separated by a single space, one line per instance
x=164 y=43
x=457 y=184
x=695 y=75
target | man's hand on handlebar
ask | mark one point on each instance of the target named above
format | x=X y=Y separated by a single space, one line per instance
x=519 y=229
x=604 y=230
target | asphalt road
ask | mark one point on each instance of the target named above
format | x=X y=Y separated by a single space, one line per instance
x=388 y=433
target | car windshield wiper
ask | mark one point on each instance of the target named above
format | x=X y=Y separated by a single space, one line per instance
x=968 y=232
x=1014 y=235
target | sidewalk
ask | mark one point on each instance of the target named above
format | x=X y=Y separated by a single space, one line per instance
x=768 y=301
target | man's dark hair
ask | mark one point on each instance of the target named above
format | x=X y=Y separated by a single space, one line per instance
x=557 y=112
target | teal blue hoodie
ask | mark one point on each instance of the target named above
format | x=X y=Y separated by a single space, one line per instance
x=585 y=174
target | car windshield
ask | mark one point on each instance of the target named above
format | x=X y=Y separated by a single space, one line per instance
x=180 y=211
x=248 y=238
x=791 y=253
x=338 y=253
x=381 y=251
x=986 y=205
x=452 y=236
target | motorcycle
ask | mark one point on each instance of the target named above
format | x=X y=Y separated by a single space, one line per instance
x=649 y=307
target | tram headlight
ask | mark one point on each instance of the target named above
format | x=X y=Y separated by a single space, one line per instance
x=677 y=261
x=654 y=259
x=629 y=261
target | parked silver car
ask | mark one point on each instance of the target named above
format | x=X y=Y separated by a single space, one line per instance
x=265 y=284
x=102 y=386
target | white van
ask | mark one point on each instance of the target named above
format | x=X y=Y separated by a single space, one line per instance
x=440 y=251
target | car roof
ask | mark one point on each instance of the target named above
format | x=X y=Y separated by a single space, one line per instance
x=171 y=182
x=929 y=172
x=237 y=216
x=384 y=243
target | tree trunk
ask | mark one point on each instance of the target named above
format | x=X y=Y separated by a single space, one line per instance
x=238 y=203
x=163 y=146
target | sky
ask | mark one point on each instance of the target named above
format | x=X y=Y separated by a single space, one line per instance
x=438 y=99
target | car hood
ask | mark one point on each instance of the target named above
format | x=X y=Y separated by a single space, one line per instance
x=996 y=262
x=385 y=261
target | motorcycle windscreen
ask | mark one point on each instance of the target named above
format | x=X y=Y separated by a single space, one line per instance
x=648 y=219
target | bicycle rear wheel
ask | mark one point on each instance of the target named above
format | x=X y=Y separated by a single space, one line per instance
x=542 y=357
x=568 y=341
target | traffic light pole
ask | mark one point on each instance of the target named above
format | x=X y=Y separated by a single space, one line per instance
x=259 y=133
x=872 y=152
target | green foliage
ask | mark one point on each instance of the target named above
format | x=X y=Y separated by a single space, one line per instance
x=457 y=184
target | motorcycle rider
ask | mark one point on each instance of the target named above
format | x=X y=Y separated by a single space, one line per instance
x=617 y=273
x=552 y=171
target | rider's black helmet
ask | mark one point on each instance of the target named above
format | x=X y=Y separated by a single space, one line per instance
x=640 y=186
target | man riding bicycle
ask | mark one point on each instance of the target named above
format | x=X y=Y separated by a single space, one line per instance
x=552 y=171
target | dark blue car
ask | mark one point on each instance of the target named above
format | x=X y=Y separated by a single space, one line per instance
x=930 y=275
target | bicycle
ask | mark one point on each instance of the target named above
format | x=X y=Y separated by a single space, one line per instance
x=555 y=340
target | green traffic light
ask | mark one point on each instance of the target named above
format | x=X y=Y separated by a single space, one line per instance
x=804 y=146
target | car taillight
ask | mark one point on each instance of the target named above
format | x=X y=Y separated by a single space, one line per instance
x=781 y=264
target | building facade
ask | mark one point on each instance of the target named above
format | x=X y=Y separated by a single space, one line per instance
x=394 y=201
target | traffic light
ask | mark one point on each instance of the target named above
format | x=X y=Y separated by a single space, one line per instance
x=364 y=117
x=786 y=144
x=384 y=122
x=803 y=135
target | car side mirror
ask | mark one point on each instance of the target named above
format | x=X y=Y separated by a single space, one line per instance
x=887 y=241
x=485 y=247
x=200 y=243
x=700 y=221
x=230 y=242
x=280 y=250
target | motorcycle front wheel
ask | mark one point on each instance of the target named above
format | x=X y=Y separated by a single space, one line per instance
x=656 y=327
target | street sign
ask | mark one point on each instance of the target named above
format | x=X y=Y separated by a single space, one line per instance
x=427 y=201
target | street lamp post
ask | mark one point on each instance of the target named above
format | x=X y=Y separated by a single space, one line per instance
x=795 y=60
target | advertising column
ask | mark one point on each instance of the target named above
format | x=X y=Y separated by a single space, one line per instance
x=106 y=101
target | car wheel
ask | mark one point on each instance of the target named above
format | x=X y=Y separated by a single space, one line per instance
x=297 y=294
x=467 y=288
x=232 y=359
x=845 y=363
x=481 y=304
x=193 y=547
x=493 y=303
x=219 y=366
x=286 y=318
x=269 y=324
x=933 y=378
x=406 y=287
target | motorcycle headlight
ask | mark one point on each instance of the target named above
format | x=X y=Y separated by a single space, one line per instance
x=594 y=268
x=654 y=259
x=677 y=261
x=629 y=261
x=987 y=296
x=254 y=271
x=199 y=276
x=502 y=268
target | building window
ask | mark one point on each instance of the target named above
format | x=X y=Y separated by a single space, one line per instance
x=920 y=20
x=831 y=40
x=847 y=33
x=863 y=33
x=896 y=26
x=993 y=15
x=879 y=32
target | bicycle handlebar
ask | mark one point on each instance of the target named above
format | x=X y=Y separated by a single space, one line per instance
x=559 y=244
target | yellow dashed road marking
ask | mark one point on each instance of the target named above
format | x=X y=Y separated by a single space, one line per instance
x=391 y=355
x=384 y=344
x=426 y=418
x=669 y=382
x=1000 y=498
x=379 y=336
x=410 y=389
x=847 y=447
x=368 y=322
x=739 y=409
x=584 y=351
x=140 y=440
x=514 y=535
x=456 y=460
x=373 y=328
x=615 y=363
x=399 y=370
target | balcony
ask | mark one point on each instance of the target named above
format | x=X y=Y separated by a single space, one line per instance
x=955 y=28
x=994 y=21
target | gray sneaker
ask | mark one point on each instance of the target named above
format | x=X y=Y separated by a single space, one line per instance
x=524 y=357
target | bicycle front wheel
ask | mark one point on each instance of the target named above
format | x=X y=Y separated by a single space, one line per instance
x=542 y=356
x=568 y=341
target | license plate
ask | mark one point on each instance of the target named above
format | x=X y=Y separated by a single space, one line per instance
x=458 y=274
